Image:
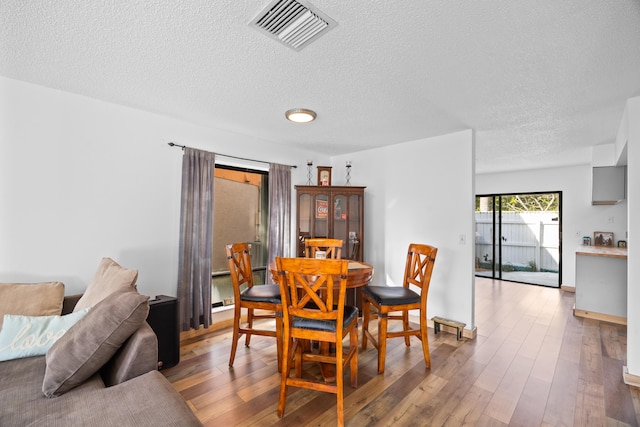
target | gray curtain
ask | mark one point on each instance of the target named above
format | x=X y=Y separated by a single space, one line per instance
x=279 y=213
x=196 y=237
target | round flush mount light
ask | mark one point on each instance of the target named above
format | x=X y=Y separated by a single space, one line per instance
x=300 y=115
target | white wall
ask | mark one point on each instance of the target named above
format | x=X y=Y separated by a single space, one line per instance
x=421 y=192
x=579 y=217
x=81 y=179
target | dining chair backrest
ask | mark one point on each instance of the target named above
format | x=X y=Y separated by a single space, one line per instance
x=331 y=247
x=419 y=266
x=239 y=258
x=260 y=301
x=310 y=286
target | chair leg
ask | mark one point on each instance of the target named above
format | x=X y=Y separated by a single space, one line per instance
x=353 y=367
x=366 y=313
x=382 y=341
x=405 y=326
x=340 y=384
x=279 y=338
x=300 y=348
x=249 y=326
x=236 y=334
x=425 y=339
x=286 y=360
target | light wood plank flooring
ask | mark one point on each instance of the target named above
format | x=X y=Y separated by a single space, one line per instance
x=532 y=364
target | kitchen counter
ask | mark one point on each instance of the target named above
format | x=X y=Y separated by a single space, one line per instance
x=605 y=251
x=601 y=283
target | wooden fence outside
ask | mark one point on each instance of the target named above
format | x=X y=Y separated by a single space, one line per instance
x=530 y=241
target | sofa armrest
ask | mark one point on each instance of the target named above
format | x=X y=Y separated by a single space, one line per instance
x=69 y=303
x=137 y=356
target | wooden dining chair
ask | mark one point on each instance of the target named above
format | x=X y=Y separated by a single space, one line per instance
x=394 y=299
x=311 y=313
x=332 y=247
x=252 y=297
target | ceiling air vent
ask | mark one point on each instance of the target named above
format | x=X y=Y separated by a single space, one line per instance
x=293 y=23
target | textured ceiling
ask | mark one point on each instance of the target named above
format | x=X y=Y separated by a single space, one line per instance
x=540 y=82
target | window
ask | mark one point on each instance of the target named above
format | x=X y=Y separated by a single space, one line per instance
x=240 y=214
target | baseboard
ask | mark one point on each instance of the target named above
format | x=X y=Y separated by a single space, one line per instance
x=470 y=333
x=629 y=379
x=220 y=320
x=599 y=316
x=228 y=323
x=568 y=288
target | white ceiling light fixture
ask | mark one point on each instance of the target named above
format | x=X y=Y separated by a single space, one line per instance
x=300 y=115
x=294 y=23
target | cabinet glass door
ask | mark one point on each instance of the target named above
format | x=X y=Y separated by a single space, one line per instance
x=354 y=221
x=340 y=215
x=305 y=223
x=321 y=212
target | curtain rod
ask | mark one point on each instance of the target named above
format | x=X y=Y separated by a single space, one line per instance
x=173 y=144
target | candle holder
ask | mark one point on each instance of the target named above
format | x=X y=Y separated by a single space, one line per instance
x=309 y=166
x=348 y=175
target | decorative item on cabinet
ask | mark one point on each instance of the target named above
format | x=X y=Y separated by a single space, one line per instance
x=348 y=173
x=309 y=165
x=324 y=175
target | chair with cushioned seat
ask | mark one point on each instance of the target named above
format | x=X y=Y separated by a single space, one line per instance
x=332 y=247
x=394 y=299
x=253 y=297
x=312 y=313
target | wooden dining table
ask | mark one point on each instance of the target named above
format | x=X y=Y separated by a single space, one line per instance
x=360 y=274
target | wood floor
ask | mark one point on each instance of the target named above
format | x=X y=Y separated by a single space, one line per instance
x=532 y=364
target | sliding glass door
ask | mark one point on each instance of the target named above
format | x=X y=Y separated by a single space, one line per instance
x=518 y=237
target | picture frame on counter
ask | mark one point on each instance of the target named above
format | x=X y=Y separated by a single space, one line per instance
x=603 y=238
x=622 y=243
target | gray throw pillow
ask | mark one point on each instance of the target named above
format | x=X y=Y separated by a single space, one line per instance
x=91 y=342
x=110 y=277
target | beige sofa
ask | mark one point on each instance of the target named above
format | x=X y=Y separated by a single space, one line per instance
x=100 y=372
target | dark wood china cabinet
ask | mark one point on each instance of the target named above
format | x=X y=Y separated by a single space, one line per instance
x=335 y=212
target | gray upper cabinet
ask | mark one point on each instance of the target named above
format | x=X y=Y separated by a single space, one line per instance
x=608 y=186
